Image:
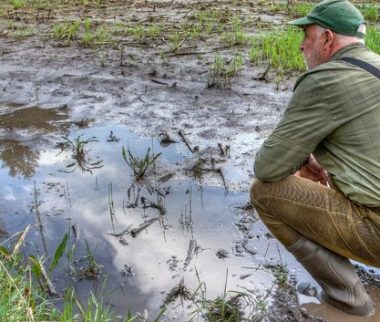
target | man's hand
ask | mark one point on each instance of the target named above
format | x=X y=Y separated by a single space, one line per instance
x=312 y=170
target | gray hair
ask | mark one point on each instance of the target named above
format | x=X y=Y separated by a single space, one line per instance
x=344 y=39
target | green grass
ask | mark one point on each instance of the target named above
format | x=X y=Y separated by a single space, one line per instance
x=224 y=69
x=371 y=12
x=372 y=39
x=65 y=31
x=24 y=298
x=94 y=38
x=23 y=33
x=280 y=49
x=138 y=165
x=20 y=299
x=17 y=4
x=19 y=30
x=230 y=306
x=301 y=9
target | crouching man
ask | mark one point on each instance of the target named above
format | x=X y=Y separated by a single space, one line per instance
x=318 y=173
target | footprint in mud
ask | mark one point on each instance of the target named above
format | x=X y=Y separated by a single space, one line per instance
x=173 y=263
x=222 y=254
x=128 y=271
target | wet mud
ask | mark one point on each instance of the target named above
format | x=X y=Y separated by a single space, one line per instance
x=188 y=221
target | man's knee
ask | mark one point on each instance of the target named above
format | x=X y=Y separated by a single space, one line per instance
x=256 y=189
x=258 y=192
x=263 y=194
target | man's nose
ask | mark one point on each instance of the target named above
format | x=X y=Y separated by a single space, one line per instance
x=301 y=47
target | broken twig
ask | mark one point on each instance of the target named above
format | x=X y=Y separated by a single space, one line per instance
x=182 y=135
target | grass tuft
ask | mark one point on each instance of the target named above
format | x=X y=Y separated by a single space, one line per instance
x=138 y=165
x=223 y=69
x=371 y=13
x=372 y=39
x=281 y=50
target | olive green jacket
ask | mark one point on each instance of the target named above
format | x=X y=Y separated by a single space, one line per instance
x=334 y=113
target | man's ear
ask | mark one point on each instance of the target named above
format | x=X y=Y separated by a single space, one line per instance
x=329 y=37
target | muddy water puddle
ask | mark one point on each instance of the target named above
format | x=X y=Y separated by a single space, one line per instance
x=145 y=237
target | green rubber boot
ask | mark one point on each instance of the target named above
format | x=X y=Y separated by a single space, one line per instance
x=341 y=285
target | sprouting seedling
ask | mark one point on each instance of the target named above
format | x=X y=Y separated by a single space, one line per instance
x=59 y=252
x=93 y=269
x=229 y=306
x=198 y=169
x=138 y=165
x=78 y=145
x=82 y=160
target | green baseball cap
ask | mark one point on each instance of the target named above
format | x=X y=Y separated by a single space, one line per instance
x=339 y=16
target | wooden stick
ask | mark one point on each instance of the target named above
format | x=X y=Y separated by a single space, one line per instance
x=182 y=135
x=21 y=240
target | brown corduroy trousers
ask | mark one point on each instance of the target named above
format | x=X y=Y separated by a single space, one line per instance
x=295 y=207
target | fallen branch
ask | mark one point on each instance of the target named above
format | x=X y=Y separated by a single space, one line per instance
x=217 y=170
x=182 y=135
x=159 y=82
x=136 y=231
x=263 y=77
x=220 y=171
x=190 y=252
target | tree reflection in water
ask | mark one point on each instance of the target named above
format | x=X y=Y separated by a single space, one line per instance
x=26 y=123
x=20 y=159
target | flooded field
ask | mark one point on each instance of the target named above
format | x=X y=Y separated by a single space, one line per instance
x=146 y=236
x=136 y=152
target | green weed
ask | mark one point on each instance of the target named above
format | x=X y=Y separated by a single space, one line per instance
x=198 y=169
x=137 y=32
x=194 y=32
x=372 y=38
x=78 y=145
x=164 y=57
x=371 y=12
x=65 y=31
x=138 y=165
x=232 y=306
x=153 y=31
x=23 y=299
x=19 y=299
x=95 y=311
x=281 y=274
x=278 y=7
x=98 y=37
x=255 y=54
x=281 y=50
x=92 y=269
x=87 y=24
x=234 y=38
x=222 y=70
x=176 y=40
x=302 y=8
x=59 y=252
x=19 y=30
x=79 y=153
x=17 y=4
x=23 y=33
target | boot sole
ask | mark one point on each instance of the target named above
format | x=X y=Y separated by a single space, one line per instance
x=365 y=310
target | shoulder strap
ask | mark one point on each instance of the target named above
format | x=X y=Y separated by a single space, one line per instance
x=362 y=64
